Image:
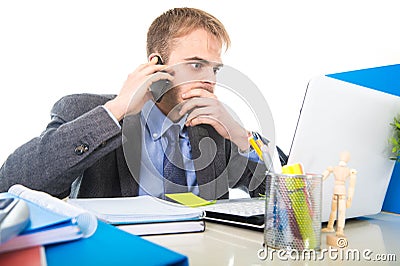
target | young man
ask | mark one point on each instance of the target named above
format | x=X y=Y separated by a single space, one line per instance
x=110 y=146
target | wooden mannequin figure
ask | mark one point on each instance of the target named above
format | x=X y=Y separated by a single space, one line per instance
x=339 y=203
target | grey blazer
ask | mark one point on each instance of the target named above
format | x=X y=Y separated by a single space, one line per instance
x=81 y=153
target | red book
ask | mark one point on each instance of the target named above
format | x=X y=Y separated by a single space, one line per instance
x=34 y=256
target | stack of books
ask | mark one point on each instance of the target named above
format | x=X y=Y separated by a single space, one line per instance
x=47 y=240
x=144 y=215
x=51 y=220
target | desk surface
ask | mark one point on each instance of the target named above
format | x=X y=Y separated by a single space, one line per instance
x=227 y=245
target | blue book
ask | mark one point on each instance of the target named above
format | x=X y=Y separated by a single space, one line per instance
x=44 y=227
x=111 y=246
x=50 y=220
x=67 y=242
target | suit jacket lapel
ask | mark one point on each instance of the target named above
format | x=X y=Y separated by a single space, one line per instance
x=129 y=156
x=208 y=155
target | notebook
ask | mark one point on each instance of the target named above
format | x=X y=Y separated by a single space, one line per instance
x=144 y=215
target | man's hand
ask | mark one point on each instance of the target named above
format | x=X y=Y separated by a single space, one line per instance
x=203 y=107
x=135 y=91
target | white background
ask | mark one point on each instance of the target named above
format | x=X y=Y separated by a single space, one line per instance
x=52 y=48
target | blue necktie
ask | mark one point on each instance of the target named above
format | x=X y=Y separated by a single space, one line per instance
x=174 y=171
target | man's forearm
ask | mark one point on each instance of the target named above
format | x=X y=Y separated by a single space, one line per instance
x=64 y=149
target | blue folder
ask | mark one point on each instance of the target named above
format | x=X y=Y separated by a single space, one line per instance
x=384 y=78
x=392 y=198
x=111 y=246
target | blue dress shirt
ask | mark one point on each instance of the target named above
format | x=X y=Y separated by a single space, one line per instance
x=154 y=124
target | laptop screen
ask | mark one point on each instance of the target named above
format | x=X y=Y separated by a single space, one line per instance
x=339 y=115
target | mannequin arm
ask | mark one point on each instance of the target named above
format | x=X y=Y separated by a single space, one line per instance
x=353 y=178
x=326 y=173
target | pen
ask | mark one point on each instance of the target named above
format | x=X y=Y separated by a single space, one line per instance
x=256 y=136
x=255 y=146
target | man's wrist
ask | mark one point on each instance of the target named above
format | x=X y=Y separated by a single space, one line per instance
x=113 y=108
x=245 y=147
x=241 y=139
x=111 y=116
x=246 y=151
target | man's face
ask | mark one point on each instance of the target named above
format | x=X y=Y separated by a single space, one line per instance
x=198 y=56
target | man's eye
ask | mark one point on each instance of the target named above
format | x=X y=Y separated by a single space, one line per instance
x=216 y=69
x=197 y=66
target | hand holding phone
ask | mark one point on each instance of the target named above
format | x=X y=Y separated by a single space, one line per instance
x=158 y=88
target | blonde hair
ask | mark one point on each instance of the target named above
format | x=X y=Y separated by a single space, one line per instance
x=179 y=22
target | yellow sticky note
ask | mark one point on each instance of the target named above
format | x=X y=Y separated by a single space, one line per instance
x=189 y=199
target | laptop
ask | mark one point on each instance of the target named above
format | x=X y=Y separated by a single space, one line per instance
x=350 y=111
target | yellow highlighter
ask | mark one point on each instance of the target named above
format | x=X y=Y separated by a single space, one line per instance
x=294 y=169
x=295 y=188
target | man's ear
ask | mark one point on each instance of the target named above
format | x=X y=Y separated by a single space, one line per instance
x=152 y=55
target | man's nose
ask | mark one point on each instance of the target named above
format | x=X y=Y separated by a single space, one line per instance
x=208 y=85
x=209 y=76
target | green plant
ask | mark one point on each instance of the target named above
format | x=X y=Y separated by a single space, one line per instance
x=395 y=139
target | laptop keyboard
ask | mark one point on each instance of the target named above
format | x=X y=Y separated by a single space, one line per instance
x=246 y=208
x=247 y=213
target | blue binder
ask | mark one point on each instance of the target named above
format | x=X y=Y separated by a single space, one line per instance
x=111 y=246
x=384 y=78
x=392 y=199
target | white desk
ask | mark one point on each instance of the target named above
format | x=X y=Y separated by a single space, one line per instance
x=227 y=245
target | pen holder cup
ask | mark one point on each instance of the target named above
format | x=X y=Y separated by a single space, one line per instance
x=293 y=212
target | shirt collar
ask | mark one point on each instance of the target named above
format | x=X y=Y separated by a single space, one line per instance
x=157 y=122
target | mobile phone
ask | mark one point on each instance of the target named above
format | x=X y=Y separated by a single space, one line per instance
x=158 y=88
